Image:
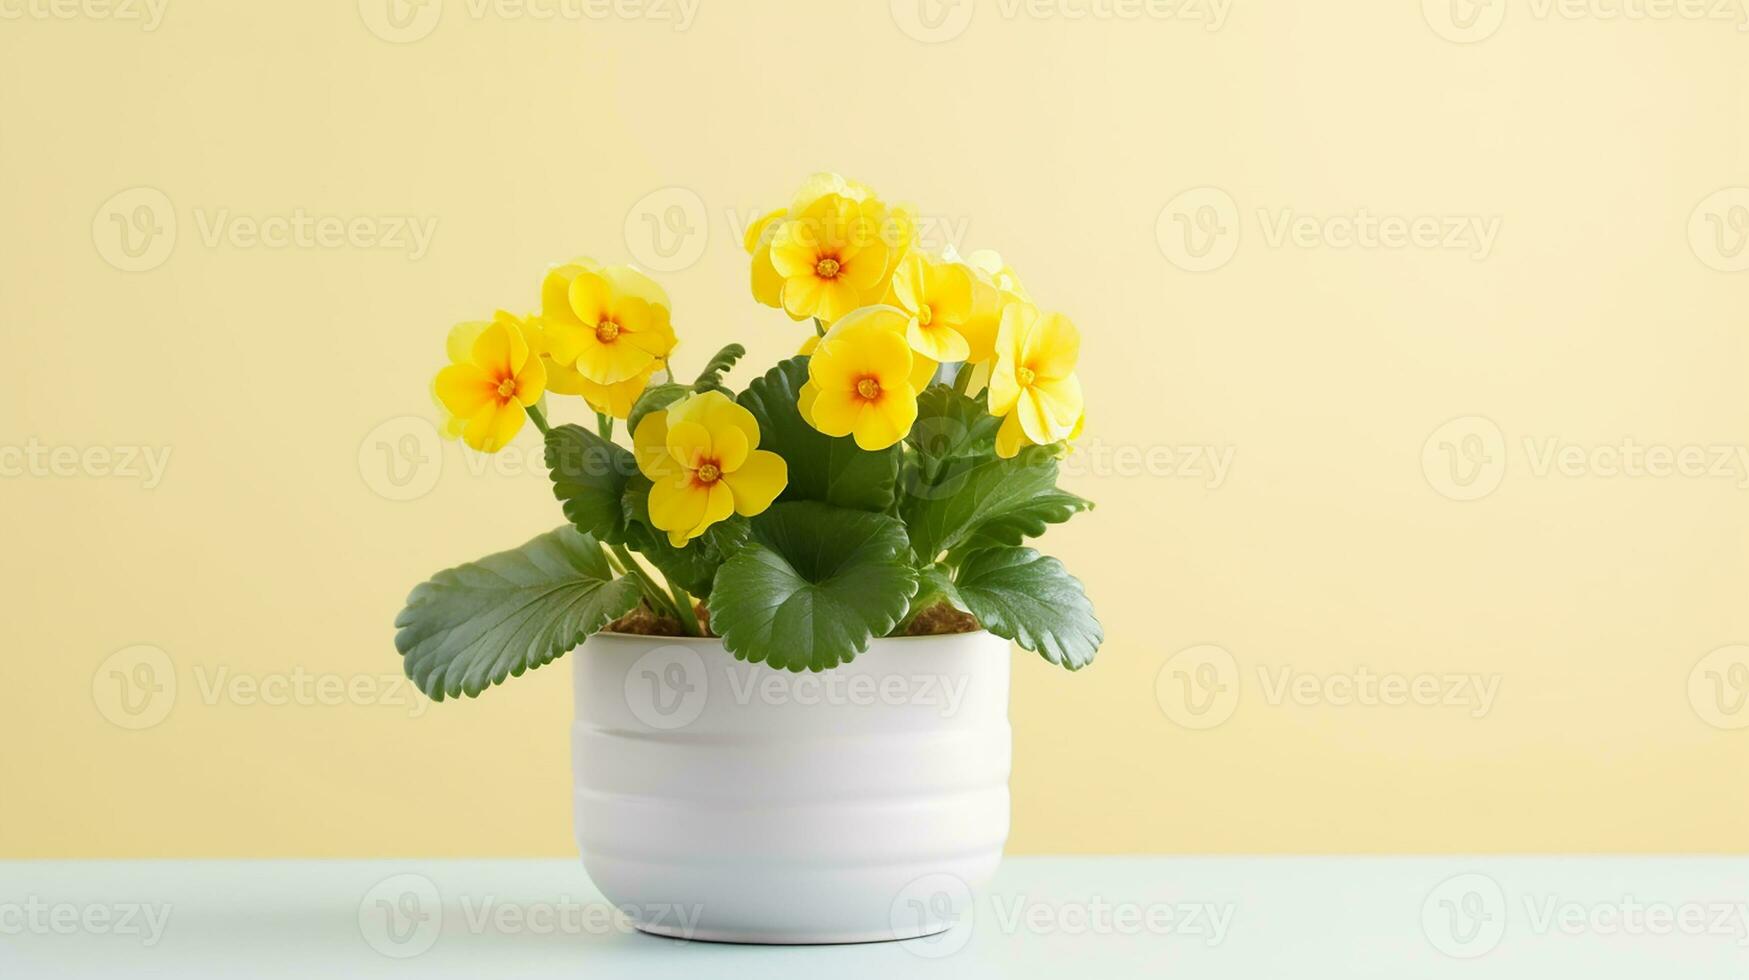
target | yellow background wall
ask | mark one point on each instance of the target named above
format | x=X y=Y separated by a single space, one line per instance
x=289 y=387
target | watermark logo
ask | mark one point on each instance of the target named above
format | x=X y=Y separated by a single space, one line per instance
x=135 y=687
x=1198 y=231
x=667 y=229
x=1198 y=687
x=1464 y=916
x=668 y=687
x=401 y=21
x=1718 y=688
x=1464 y=21
x=135 y=230
x=1718 y=230
x=1465 y=459
x=933 y=21
x=401 y=459
x=936 y=912
x=401 y=916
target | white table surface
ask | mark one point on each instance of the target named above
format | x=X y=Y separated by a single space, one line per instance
x=1084 y=918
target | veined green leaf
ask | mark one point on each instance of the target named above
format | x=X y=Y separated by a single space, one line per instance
x=1029 y=598
x=472 y=626
x=814 y=585
x=986 y=502
x=589 y=475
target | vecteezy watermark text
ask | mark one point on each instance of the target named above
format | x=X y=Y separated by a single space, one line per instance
x=1200 y=688
x=1468 y=458
x=149 y=14
x=1200 y=230
x=38 y=461
x=34 y=916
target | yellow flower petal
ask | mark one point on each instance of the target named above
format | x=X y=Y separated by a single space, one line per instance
x=564 y=379
x=937 y=342
x=678 y=503
x=836 y=298
x=883 y=422
x=460 y=344
x=1009 y=438
x=531 y=381
x=755 y=235
x=688 y=442
x=729 y=447
x=1052 y=346
x=650 y=447
x=719 y=504
x=834 y=410
x=801 y=296
x=757 y=482
x=500 y=350
x=611 y=363
x=767 y=283
x=590 y=298
x=465 y=389
x=492 y=428
x=616 y=399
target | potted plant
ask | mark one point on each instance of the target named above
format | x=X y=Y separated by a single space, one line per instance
x=794 y=599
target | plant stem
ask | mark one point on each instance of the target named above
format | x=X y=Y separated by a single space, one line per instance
x=653 y=593
x=683 y=605
x=604 y=426
x=819 y=327
x=540 y=421
x=962 y=378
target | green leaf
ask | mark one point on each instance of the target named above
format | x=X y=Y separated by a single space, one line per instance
x=813 y=586
x=589 y=474
x=472 y=626
x=979 y=503
x=655 y=398
x=711 y=378
x=694 y=567
x=953 y=426
x=821 y=468
x=658 y=397
x=1029 y=598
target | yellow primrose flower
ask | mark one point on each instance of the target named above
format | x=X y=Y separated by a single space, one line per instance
x=994 y=288
x=703 y=459
x=862 y=379
x=460 y=346
x=615 y=399
x=611 y=323
x=1033 y=387
x=491 y=389
x=832 y=259
x=938 y=298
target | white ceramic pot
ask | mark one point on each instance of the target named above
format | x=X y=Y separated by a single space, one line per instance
x=726 y=801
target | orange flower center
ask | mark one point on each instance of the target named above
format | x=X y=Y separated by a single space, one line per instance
x=507 y=388
x=1025 y=376
x=869 y=389
x=607 y=331
x=709 y=473
x=925 y=315
x=827 y=268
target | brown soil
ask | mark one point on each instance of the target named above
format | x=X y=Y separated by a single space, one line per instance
x=935 y=621
x=643 y=622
